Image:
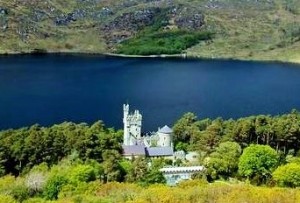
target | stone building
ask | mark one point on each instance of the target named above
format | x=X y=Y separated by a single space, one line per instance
x=158 y=144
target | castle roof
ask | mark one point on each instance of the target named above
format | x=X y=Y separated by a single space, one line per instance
x=135 y=150
x=187 y=169
x=165 y=130
x=159 y=151
x=141 y=150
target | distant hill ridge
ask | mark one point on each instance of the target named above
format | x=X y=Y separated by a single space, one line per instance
x=241 y=29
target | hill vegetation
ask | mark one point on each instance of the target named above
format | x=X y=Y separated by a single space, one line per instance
x=242 y=29
x=172 y=42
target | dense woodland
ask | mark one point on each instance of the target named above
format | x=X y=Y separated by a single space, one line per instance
x=280 y=132
x=83 y=163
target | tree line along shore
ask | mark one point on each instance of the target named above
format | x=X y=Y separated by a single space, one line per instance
x=256 y=157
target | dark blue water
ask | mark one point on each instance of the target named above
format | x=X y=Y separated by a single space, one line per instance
x=51 y=89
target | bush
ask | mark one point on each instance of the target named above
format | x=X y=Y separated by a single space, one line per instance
x=223 y=163
x=6 y=184
x=288 y=175
x=192 y=183
x=53 y=186
x=118 y=192
x=20 y=193
x=35 y=181
x=82 y=173
x=83 y=188
x=36 y=200
x=7 y=199
x=258 y=162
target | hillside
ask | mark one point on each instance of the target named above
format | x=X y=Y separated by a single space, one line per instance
x=242 y=29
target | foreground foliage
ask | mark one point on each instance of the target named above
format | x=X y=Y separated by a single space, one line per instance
x=288 y=175
x=190 y=191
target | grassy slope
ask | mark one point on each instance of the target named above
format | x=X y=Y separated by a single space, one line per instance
x=245 y=29
x=252 y=33
x=79 y=36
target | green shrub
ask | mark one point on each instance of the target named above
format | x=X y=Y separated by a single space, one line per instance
x=70 y=190
x=53 y=186
x=7 y=199
x=258 y=162
x=82 y=173
x=36 y=200
x=20 y=193
x=6 y=184
x=288 y=175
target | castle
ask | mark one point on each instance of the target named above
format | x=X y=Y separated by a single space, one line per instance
x=158 y=144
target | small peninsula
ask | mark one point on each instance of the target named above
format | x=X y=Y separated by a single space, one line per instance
x=237 y=29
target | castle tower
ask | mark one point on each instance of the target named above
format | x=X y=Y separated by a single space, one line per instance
x=125 y=122
x=165 y=135
x=132 y=126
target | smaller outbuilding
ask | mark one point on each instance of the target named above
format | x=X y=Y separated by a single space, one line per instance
x=174 y=175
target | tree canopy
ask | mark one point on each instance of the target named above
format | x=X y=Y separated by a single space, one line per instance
x=223 y=162
x=21 y=149
x=258 y=161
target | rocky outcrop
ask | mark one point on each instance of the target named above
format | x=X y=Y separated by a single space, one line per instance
x=3 y=11
x=127 y=24
x=191 y=21
x=39 y=15
x=3 y=19
x=65 y=19
x=188 y=18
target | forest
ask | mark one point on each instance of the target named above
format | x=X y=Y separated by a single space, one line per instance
x=253 y=159
x=171 y=42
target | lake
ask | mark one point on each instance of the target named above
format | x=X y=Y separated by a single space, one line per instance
x=50 y=89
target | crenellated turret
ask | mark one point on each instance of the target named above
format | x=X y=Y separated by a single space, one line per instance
x=132 y=126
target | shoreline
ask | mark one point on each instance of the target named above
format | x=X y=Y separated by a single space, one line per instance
x=65 y=52
x=167 y=56
x=147 y=56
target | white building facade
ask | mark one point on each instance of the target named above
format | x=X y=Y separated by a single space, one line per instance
x=174 y=175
